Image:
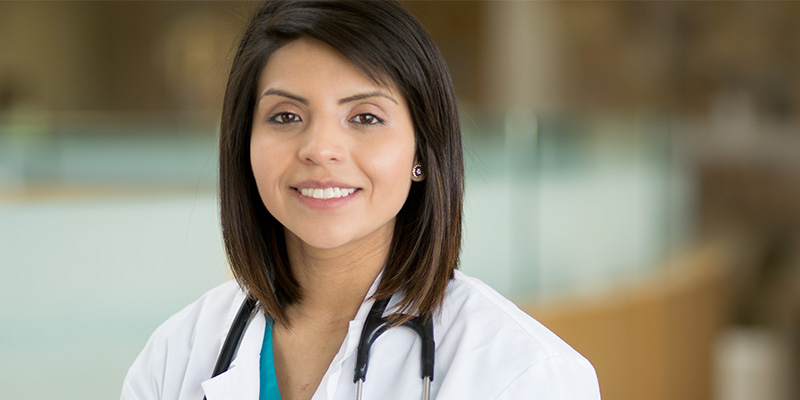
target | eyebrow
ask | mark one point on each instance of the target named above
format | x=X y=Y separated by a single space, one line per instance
x=349 y=99
x=363 y=96
x=278 y=92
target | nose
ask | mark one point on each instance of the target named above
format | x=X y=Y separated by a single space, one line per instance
x=323 y=142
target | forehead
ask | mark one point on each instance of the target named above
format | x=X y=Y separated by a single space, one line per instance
x=307 y=62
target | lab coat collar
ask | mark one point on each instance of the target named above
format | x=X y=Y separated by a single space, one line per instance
x=241 y=381
x=328 y=386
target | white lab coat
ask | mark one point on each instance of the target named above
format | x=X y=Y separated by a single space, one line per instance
x=486 y=348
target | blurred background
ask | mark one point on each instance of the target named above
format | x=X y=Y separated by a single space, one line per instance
x=633 y=182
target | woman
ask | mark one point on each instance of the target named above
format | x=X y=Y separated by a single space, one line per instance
x=341 y=182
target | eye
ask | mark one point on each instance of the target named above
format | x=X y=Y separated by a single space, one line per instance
x=284 y=118
x=366 y=119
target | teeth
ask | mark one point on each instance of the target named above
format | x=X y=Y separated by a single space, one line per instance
x=327 y=193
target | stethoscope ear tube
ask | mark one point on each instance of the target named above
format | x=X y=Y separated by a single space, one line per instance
x=375 y=326
x=424 y=327
x=234 y=336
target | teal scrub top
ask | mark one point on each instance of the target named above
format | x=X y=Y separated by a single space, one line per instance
x=269 y=382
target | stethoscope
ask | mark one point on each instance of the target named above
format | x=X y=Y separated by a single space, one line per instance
x=375 y=325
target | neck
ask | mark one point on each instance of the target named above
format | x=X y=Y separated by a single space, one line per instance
x=334 y=281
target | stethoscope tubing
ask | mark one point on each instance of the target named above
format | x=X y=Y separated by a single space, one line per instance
x=234 y=337
x=375 y=325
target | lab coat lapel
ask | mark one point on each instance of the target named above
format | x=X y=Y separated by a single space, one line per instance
x=241 y=381
x=344 y=361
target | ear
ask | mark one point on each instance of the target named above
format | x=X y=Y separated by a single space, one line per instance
x=417 y=172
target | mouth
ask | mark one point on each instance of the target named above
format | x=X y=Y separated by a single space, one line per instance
x=326 y=193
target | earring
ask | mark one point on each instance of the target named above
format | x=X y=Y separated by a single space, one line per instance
x=416 y=172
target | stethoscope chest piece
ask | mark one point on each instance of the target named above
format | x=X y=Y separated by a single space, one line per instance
x=375 y=325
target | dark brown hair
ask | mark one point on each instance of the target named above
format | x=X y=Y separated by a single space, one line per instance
x=386 y=42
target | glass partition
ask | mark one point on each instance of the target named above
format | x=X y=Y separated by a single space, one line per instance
x=562 y=204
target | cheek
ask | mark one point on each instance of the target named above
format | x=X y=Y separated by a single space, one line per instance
x=267 y=154
x=266 y=165
x=258 y=161
x=393 y=171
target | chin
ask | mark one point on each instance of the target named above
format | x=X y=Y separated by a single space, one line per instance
x=324 y=240
x=333 y=237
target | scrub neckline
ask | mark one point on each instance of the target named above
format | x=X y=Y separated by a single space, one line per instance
x=268 y=388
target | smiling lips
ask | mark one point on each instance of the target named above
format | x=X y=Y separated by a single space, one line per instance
x=326 y=193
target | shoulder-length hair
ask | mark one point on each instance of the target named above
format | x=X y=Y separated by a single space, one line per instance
x=390 y=46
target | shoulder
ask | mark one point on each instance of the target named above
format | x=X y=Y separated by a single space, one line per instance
x=196 y=332
x=509 y=344
x=476 y=308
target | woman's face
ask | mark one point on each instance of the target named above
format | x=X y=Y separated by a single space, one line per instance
x=331 y=150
